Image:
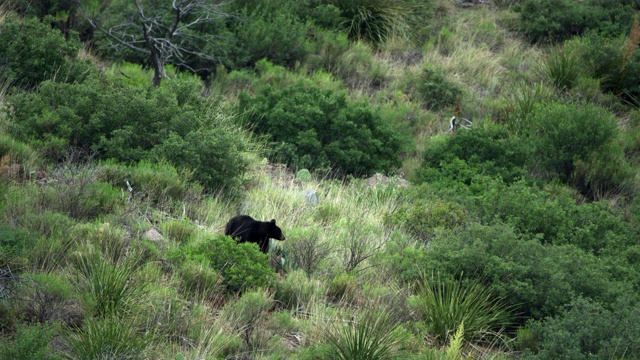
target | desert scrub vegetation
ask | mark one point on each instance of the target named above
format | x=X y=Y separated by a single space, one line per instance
x=516 y=238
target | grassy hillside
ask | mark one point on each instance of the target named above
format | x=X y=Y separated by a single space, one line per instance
x=515 y=238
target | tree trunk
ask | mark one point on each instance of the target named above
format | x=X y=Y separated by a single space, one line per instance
x=158 y=71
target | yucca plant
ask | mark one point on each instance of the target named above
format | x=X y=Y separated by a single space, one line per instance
x=109 y=338
x=563 y=68
x=374 y=336
x=373 y=20
x=444 y=305
x=109 y=288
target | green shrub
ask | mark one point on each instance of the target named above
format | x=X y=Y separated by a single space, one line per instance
x=314 y=128
x=242 y=266
x=246 y=314
x=271 y=30
x=200 y=281
x=445 y=305
x=113 y=120
x=586 y=329
x=615 y=62
x=297 y=291
x=305 y=250
x=31 y=52
x=31 y=342
x=565 y=133
x=550 y=20
x=422 y=218
x=433 y=89
x=51 y=301
x=484 y=151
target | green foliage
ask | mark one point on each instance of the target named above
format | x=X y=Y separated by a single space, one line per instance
x=271 y=30
x=297 y=291
x=129 y=124
x=484 y=151
x=373 y=20
x=444 y=305
x=242 y=266
x=373 y=336
x=31 y=342
x=178 y=230
x=246 y=313
x=108 y=338
x=521 y=101
x=615 y=61
x=50 y=300
x=586 y=329
x=314 y=128
x=305 y=250
x=562 y=66
x=303 y=175
x=551 y=20
x=565 y=133
x=12 y=240
x=421 y=218
x=433 y=89
x=31 y=52
x=200 y=281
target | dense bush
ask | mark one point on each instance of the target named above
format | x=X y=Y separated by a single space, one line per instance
x=271 y=30
x=31 y=51
x=113 y=120
x=489 y=151
x=314 y=128
x=242 y=266
x=552 y=20
x=31 y=342
x=433 y=89
x=565 y=133
x=586 y=329
x=373 y=20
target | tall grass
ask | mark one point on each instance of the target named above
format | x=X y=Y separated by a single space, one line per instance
x=106 y=338
x=373 y=20
x=563 y=68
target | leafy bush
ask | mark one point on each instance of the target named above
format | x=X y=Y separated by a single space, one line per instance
x=421 y=218
x=247 y=313
x=272 y=30
x=51 y=301
x=31 y=52
x=565 y=133
x=550 y=20
x=242 y=266
x=586 y=329
x=433 y=89
x=489 y=151
x=314 y=128
x=129 y=124
x=31 y=342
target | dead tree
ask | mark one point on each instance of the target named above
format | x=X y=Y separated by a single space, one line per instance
x=166 y=32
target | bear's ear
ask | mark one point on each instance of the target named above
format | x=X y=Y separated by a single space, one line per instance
x=273 y=221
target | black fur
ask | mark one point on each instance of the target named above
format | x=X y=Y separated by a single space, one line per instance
x=244 y=228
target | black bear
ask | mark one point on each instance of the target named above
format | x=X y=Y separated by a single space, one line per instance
x=245 y=229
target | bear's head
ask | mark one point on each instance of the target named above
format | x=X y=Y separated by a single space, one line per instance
x=274 y=231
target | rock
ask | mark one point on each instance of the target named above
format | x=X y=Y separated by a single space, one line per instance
x=153 y=235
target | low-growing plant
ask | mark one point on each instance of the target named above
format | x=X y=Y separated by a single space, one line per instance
x=422 y=218
x=246 y=314
x=178 y=230
x=30 y=342
x=563 y=68
x=305 y=250
x=314 y=128
x=433 y=89
x=51 y=300
x=200 y=281
x=297 y=291
x=242 y=266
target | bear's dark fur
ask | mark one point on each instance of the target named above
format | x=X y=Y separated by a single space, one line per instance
x=244 y=228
